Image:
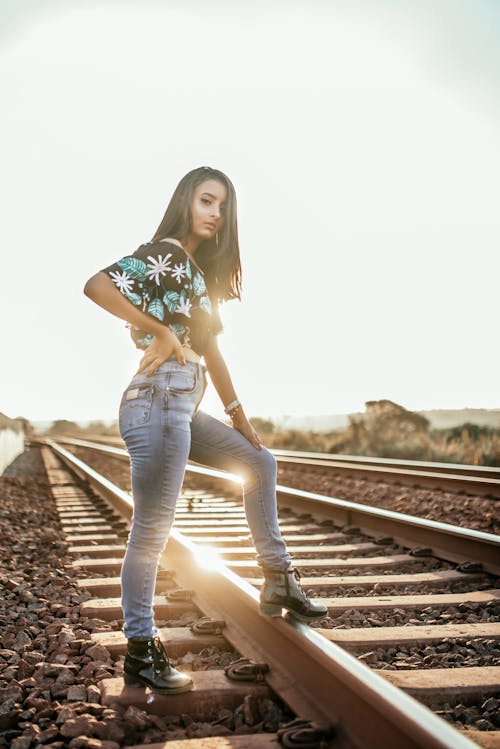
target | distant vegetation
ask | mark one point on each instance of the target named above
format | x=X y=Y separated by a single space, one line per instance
x=17 y=425
x=62 y=426
x=385 y=430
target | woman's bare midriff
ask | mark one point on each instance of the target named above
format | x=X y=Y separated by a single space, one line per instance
x=189 y=354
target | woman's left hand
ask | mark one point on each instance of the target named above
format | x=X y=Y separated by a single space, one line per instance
x=241 y=423
x=161 y=348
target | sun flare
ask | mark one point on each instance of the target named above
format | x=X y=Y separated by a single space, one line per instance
x=208 y=558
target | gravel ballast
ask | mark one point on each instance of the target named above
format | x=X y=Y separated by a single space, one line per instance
x=466 y=511
x=447 y=654
x=49 y=666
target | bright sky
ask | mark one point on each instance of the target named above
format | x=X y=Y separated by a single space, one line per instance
x=363 y=139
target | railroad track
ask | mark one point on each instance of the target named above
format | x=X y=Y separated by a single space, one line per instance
x=446 y=540
x=469 y=479
x=456 y=477
x=434 y=603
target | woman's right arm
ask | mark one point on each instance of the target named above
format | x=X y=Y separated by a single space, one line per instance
x=101 y=289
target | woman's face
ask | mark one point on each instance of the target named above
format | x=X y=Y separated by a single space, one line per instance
x=207 y=212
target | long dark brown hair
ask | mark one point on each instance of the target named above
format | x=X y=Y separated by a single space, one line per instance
x=220 y=262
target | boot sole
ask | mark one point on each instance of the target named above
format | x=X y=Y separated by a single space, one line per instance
x=307 y=619
x=131 y=680
x=271 y=609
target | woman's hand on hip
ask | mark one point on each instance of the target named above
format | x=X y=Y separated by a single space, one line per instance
x=161 y=348
x=241 y=423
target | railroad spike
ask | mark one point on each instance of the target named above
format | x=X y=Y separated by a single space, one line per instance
x=306 y=734
x=208 y=626
x=180 y=594
x=351 y=530
x=244 y=669
x=383 y=540
x=470 y=566
x=420 y=551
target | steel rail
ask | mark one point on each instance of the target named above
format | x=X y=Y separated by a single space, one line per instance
x=457 y=477
x=443 y=481
x=317 y=679
x=417 y=465
x=444 y=540
x=451 y=542
x=414 y=465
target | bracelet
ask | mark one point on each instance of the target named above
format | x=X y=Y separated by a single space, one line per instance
x=232 y=405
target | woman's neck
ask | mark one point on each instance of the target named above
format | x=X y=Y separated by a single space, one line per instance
x=185 y=246
x=190 y=244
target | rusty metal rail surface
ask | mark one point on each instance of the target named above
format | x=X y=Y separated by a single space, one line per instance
x=457 y=477
x=476 y=480
x=412 y=465
x=317 y=679
x=448 y=541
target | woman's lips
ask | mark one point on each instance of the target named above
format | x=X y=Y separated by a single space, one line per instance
x=211 y=226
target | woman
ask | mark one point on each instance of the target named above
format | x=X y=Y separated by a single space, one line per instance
x=168 y=291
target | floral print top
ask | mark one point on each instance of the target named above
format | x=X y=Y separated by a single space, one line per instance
x=160 y=279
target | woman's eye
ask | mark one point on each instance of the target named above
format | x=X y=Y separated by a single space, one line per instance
x=205 y=200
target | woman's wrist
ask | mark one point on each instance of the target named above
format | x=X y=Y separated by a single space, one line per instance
x=234 y=409
x=232 y=406
x=165 y=333
x=237 y=413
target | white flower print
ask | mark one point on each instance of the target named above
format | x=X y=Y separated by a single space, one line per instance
x=184 y=307
x=158 y=267
x=123 y=281
x=179 y=272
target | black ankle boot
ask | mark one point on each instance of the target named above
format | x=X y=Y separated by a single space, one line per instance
x=147 y=665
x=282 y=590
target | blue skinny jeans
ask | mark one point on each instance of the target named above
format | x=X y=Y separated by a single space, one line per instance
x=162 y=427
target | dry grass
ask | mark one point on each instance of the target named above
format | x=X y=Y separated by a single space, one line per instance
x=385 y=430
x=17 y=425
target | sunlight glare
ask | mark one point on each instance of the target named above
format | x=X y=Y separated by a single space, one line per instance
x=208 y=559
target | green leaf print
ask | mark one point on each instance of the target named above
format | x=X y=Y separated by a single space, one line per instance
x=141 y=338
x=188 y=269
x=171 y=299
x=134 y=267
x=134 y=298
x=198 y=284
x=155 y=308
x=178 y=329
x=204 y=304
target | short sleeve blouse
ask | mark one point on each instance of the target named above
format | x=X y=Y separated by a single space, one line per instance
x=160 y=279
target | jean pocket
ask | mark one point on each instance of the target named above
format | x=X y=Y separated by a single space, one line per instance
x=182 y=380
x=135 y=406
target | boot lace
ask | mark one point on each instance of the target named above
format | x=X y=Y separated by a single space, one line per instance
x=296 y=575
x=160 y=657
